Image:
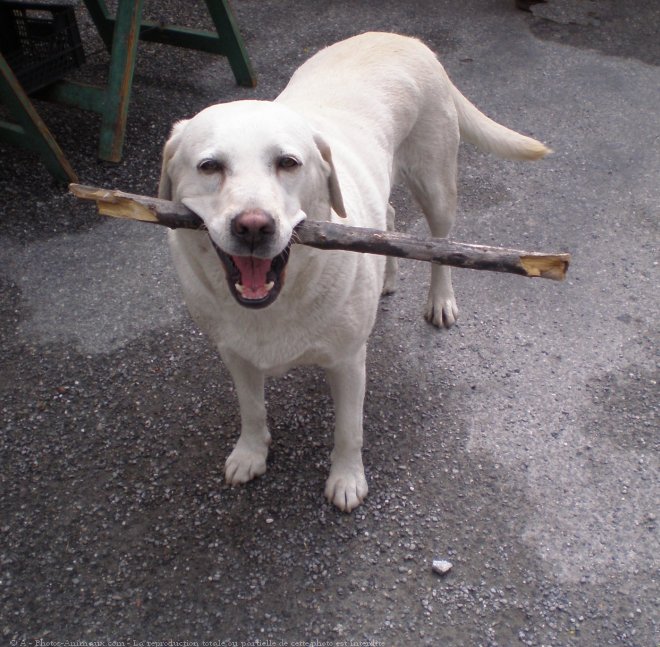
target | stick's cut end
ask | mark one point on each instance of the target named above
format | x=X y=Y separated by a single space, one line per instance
x=545 y=266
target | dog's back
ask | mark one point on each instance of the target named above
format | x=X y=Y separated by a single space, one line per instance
x=389 y=82
x=383 y=81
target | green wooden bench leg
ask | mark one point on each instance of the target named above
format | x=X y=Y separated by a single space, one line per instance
x=120 y=79
x=30 y=131
x=225 y=25
x=102 y=20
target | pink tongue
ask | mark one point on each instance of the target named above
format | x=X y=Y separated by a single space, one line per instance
x=253 y=275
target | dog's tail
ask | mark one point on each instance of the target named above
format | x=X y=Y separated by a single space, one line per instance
x=489 y=136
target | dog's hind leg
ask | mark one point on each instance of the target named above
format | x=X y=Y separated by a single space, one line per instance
x=427 y=162
x=392 y=263
x=248 y=459
x=437 y=198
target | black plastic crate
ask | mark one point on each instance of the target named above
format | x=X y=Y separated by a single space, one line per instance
x=41 y=42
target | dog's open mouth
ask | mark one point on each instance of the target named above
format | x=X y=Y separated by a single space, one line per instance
x=254 y=282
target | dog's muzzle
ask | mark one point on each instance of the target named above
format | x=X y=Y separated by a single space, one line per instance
x=254 y=279
x=255 y=282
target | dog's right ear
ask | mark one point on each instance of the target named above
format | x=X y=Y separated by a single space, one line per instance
x=165 y=182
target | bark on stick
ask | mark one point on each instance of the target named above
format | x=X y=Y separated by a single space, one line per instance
x=328 y=235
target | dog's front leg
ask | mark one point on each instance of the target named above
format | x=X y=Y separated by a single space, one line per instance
x=346 y=486
x=249 y=456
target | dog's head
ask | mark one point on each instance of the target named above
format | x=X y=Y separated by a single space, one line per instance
x=252 y=170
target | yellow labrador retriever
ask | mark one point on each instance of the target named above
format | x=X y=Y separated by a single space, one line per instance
x=354 y=119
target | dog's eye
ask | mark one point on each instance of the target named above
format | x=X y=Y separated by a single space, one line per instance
x=210 y=166
x=288 y=162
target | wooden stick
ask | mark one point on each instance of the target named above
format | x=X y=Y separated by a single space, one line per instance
x=327 y=235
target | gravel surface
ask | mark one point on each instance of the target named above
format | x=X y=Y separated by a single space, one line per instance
x=521 y=446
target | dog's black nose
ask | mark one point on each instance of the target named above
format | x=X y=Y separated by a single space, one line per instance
x=253 y=227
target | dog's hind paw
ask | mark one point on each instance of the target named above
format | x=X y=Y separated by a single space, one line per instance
x=244 y=464
x=390 y=279
x=442 y=314
x=346 y=486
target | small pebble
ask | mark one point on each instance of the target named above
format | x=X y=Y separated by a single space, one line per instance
x=441 y=566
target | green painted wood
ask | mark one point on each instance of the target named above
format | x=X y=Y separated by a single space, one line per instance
x=75 y=94
x=102 y=20
x=205 y=41
x=12 y=133
x=226 y=42
x=121 y=35
x=229 y=34
x=30 y=131
x=120 y=79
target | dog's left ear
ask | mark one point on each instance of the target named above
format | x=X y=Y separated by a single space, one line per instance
x=336 y=200
x=165 y=183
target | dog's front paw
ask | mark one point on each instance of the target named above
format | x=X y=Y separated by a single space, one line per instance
x=346 y=486
x=245 y=462
x=441 y=312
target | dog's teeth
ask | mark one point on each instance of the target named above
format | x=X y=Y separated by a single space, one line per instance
x=239 y=288
x=270 y=286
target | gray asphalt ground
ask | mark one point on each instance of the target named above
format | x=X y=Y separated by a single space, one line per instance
x=521 y=446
